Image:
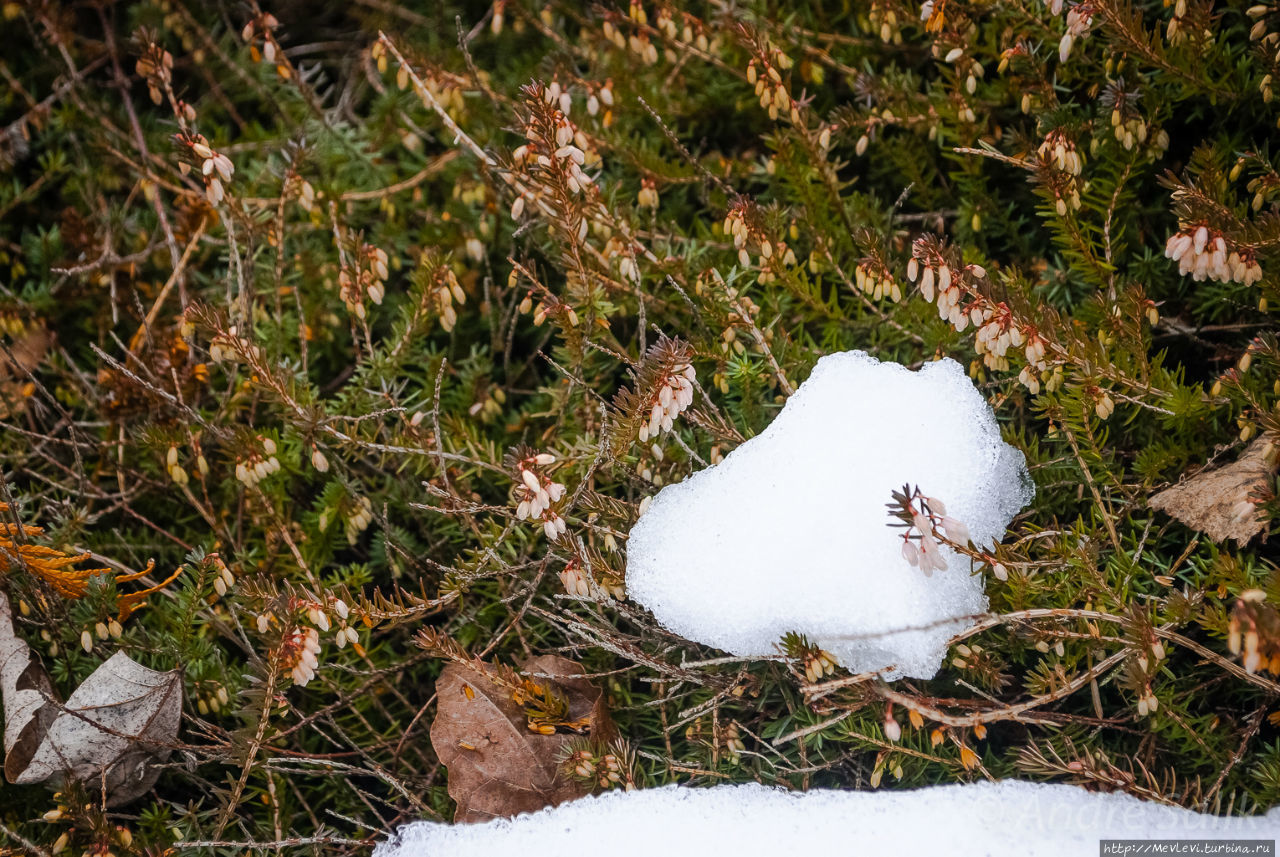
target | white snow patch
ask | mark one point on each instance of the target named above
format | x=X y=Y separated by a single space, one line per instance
x=791 y=531
x=1007 y=817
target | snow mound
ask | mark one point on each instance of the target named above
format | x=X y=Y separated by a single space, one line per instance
x=1007 y=817
x=791 y=531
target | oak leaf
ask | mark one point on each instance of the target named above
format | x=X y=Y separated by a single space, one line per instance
x=498 y=764
x=111 y=733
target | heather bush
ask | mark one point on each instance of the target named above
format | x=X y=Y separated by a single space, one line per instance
x=345 y=341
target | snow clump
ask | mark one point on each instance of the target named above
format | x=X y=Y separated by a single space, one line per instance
x=791 y=531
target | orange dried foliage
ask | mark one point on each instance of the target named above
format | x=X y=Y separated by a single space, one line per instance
x=49 y=564
x=58 y=569
x=130 y=602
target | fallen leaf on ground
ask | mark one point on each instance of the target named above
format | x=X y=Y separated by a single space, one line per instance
x=17 y=361
x=111 y=732
x=1221 y=503
x=497 y=765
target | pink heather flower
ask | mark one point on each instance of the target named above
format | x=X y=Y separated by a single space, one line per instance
x=930 y=555
x=300 y=652
x=956 y=530
x=910 y=553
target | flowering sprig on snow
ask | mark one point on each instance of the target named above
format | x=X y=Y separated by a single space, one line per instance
x=923 y=517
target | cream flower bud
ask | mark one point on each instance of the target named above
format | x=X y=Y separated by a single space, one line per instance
x=892 y=729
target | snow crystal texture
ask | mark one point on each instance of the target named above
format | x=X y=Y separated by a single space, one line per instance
x=791 y=531
x=960 y=820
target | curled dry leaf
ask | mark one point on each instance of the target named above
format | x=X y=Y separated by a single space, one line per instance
x=497 y=765
x=112 y=732
x=1221 y=503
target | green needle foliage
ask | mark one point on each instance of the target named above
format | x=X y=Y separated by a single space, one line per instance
x=370 y=304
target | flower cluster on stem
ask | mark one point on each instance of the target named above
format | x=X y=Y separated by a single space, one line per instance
x=537 y=493
x=318 y=615
x=961 y=304
x=1059 y=151
x=442 y=291
x=230 y=347
x=1204 y=252
x=366 y=277
x=300 y=654
x=674 y=394
x=739 y=224
x=1079 y=20
x=875 y=281
x=257 y=466
x=358 y=519
x=763 y=73
x=215 y=167
x=949 y=288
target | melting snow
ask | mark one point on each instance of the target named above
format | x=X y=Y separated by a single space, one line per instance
x=791 y=531
x=1008 y=817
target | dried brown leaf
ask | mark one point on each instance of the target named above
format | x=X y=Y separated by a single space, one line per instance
x=497 y=765
x=17 y=361
x=26 y=692
x=1220 y=502
x=111 y=733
